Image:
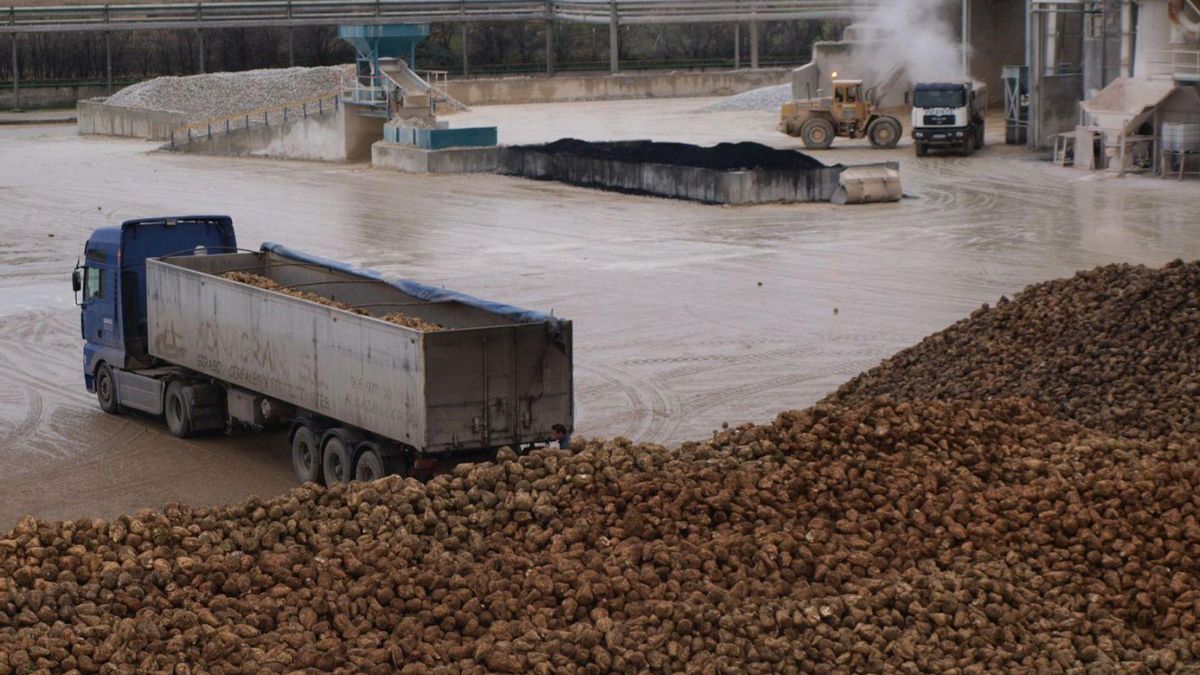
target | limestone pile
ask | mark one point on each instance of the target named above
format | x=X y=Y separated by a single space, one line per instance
x=763 y=98
x=213 y=95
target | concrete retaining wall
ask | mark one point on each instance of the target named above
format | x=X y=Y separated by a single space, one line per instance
x=38 y=96
x=341 y=136
x=97 y=117
x=759 y=186
x=412 y=159
x=597 y=87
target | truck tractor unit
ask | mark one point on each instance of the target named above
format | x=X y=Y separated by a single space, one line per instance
x=370 y=374
x=948 y=115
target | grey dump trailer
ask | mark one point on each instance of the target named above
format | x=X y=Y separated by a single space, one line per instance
x=362 y=397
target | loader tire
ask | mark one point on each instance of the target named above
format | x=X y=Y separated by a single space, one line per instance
x=884 y=132
x=817 y=134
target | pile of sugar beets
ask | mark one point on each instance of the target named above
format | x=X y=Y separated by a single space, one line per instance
x=1018 y=492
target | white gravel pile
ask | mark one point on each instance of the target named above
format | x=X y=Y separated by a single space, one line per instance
x=763 y=98
x=202 y=97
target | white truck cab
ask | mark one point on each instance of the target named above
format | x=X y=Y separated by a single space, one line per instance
x=948 y=115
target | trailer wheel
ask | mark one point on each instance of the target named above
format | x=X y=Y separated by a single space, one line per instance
x=306 y=457
x=177 y=411
x=369 y=467
x=817 y=133
x=884 y=132
x=335 y=461
x=106 y=390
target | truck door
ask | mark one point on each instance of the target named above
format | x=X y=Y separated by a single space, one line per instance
x=99 y=300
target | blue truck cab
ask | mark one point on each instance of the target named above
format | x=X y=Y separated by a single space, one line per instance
x=110 y=287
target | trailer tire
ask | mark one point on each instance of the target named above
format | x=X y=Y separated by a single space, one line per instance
x=106 y=390
x=177 y=411
x=369 y=466
x=306 y=456
x=335 y=460
x=817 y=134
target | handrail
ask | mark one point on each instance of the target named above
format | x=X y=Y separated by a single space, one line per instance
x=245 y=13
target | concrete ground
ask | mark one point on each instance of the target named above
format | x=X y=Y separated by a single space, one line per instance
x=686 y=315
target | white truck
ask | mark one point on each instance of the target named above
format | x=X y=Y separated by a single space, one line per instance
x=948 y=115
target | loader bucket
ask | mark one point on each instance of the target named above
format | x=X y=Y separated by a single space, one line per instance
x=869 y=183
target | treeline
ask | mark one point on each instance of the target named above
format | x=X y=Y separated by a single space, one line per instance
x=490 y=48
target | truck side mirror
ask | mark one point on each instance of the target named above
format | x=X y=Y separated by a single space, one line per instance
x=77 y=280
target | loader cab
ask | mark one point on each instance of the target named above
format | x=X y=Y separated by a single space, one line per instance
x=848 y=103
x=110 y=282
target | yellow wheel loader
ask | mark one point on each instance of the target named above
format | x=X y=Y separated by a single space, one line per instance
x=851 y=112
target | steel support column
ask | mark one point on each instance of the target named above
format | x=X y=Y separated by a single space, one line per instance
x=200 y=48
x=966 y=38
x=737 y=46
x=613 y=37
x=466 y=68
x=16 y=70
x=108 y=62
x=754 y=45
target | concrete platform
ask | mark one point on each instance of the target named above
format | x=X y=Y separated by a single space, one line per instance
x=411 y=159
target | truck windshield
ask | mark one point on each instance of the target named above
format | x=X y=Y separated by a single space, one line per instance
x=938 y=98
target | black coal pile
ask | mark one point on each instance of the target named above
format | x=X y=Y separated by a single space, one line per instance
x=1116 y=348
x=722 y=157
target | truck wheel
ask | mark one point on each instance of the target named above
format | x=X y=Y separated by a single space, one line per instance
x=979 y=136
x=106 y=390
x=968 y=146
x=369 y=467
x=921 y=149
x=884 y=133
x=306 y=457
x=177 y=412
x=335 y=461
x=817 y=134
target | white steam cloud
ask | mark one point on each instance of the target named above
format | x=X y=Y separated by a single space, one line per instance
x=920 y=35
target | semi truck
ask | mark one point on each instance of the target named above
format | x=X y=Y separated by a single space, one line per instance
x=948 y=115
x=168 y=331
